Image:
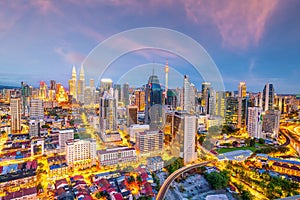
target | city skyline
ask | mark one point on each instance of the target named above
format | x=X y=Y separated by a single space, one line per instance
x=259 y=46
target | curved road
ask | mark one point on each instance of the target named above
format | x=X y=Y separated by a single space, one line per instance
x=164 y=188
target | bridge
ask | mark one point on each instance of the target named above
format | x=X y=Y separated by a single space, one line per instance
x=165 y=186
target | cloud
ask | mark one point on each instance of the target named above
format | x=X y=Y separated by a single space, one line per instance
x=44 y=6
x=70 y=57
x=240 y=23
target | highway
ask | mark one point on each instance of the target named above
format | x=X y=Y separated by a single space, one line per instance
x=164 y=188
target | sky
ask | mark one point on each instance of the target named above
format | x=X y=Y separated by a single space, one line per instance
x=255 y=41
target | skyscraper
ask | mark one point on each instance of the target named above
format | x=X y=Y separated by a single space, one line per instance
x=255 y=122
x=140 y=99
x=268 y=97
x=167 y=79
x=118 y=87
x=72 y=84
x=241 y=111
x=125 y=94
x=205 y=96
x=271 y=121
x=105 y=85
x=15 y=109
x=188 y=95
x=153 y=100
x=220 y=104
x=81 y=85
x=189 y=152
x=132 y=112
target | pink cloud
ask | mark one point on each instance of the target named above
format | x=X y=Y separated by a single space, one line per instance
x=240 y=23
x=69 y=56
x=44 y=6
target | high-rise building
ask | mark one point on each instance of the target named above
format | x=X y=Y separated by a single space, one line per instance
x=172 y=98
x=268 y=97
x=189 y=143
x=220 y=106
x=108 y=118
x=72 y=84
x=188 y=96
x=43 y=90
x=153 y=98
x=271 y=121
x=26 y=93
x=36 y=109
x=118 y=88
x=64 y=136
x=140 y=99
x=81 y=85
x=167 y=79
x=132 y=112
x=180 y=135
x=15 y=109
x=135 y=128
x=125 y=94
x=211 y=108
x=150 y=142
x=52 y=85
x=34 y=128
x=255 y=122
x=205 y=96
x=241 y=110
x=105 y=85
x=84 y=151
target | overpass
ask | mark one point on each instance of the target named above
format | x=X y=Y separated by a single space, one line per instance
x=165 y=186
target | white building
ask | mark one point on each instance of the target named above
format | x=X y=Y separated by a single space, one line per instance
x=255 y=122
x=135 y=128
x=15 y=111
x=116 y=156
x=64 y=136
x=84 y=151
x=190 y=129
x=189 y=95
x=150 y=142
x=34 y=128
x=36 y=109
x=155 y=163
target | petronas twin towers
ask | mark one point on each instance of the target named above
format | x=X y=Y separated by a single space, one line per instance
x=76 y=88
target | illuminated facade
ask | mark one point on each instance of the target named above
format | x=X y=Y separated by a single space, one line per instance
x=81 y=86
x=255 y=122
x=15 y=109
x=36 y=109
x=140 y=99
x=72 y=83
x=241 y=111
x=150 y=142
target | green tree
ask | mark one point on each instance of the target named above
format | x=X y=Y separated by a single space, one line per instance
x=261 y=141
x=218 y=180
x=246 y=195
x=252 y=142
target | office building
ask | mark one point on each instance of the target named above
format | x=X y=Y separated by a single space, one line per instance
x=15 y=110
x=241 y=111
x=64 y=136
x=255 y=122
x=189 y=143
x=220 y=106
x=36 y=109
x=135 y=128
x=140 y=99
x=271 y=121
x=81 y=151
x=189 y=95
x=34 y=128
x=150 y=142
x=116 y=156
x=132 y=112
x=172 y=99
x=205 y=96
x=268 y=97
x=153 y=97
x=125 y=94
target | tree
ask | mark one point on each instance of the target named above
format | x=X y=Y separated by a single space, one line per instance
x=218 y=180
x=139 y=179
x=99 y=195
x=246 y=195
x=261 y=141
x=128 y=169
x=235 y=143
x=252 y=142
x=201 y=139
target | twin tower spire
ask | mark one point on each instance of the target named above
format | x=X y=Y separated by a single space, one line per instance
x=76 y=88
